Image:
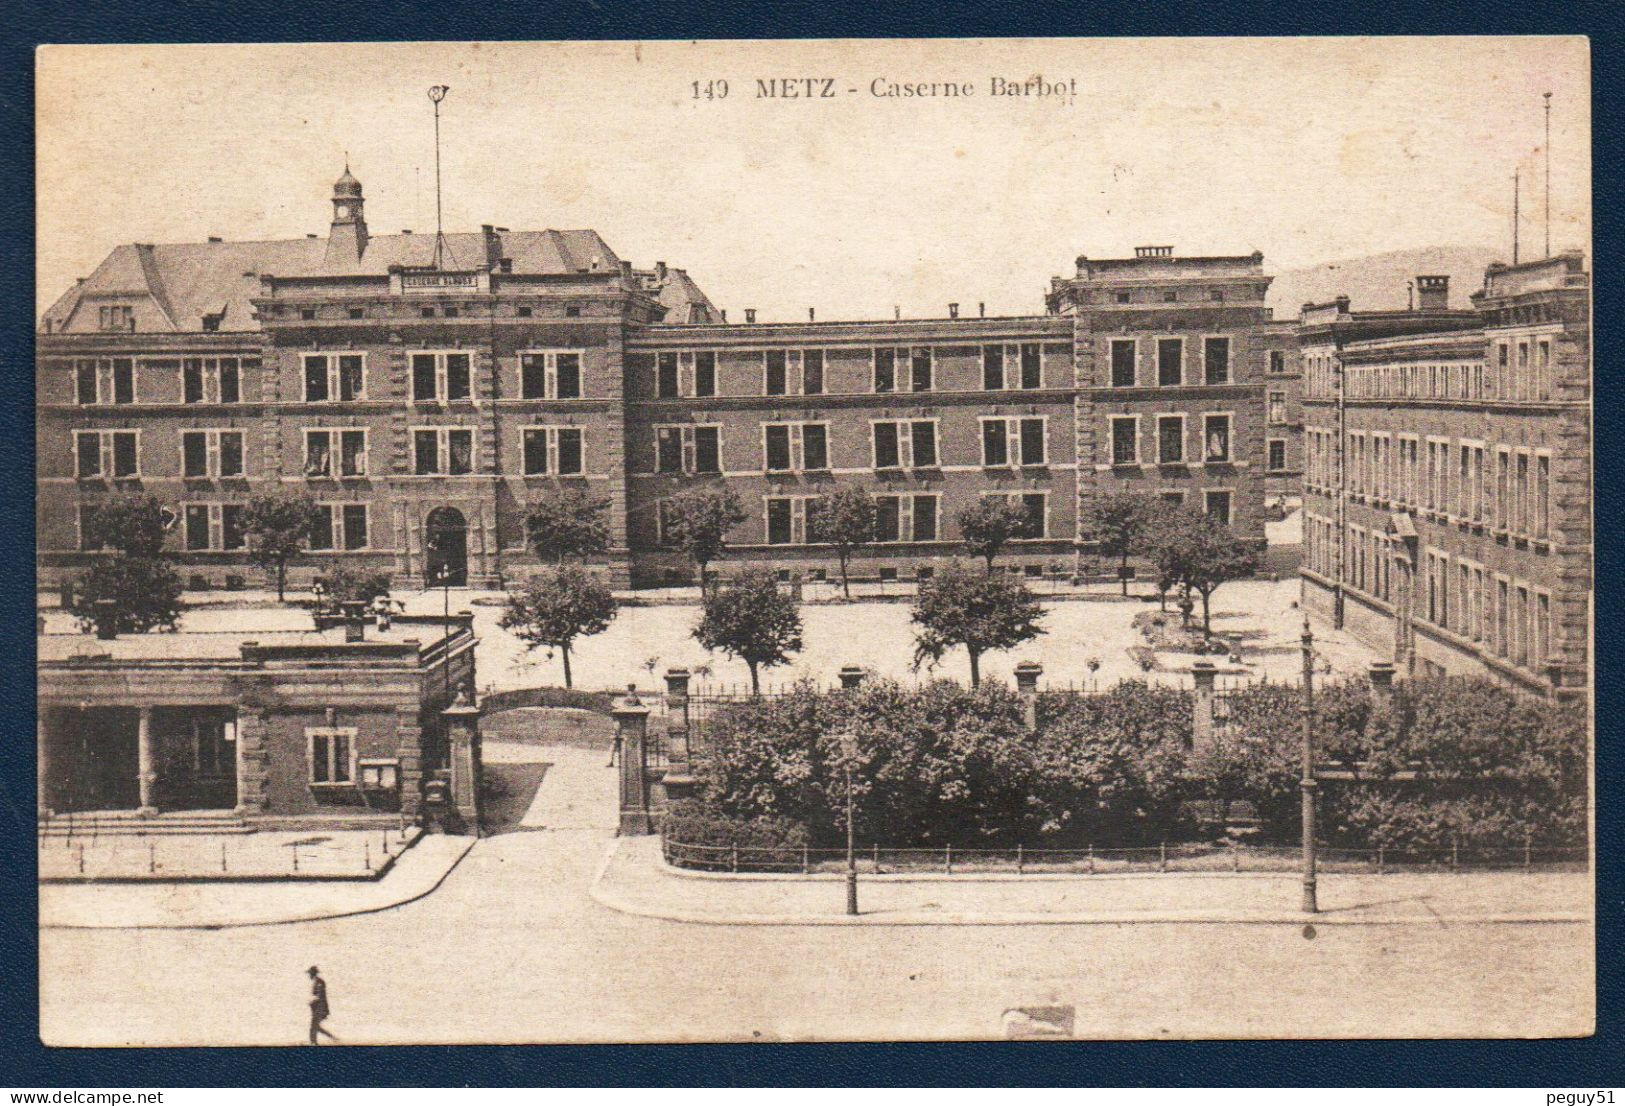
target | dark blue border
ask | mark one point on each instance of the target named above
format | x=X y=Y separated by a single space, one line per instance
x=1584 y=1063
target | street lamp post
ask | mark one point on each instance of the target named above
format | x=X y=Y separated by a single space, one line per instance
x=1307 y=783
x=849 y=753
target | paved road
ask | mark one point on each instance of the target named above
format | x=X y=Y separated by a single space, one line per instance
x=512 y=949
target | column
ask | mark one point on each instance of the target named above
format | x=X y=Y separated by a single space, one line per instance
x=147 y=763
x=253 y=762
x=43 y=754
x=1382 y=682
x=462 y=721
x=631 y=729
x=1202 y=719
x=1027 y=673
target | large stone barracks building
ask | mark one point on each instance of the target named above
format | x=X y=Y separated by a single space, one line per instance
x=1448 y=475
x=427 y=391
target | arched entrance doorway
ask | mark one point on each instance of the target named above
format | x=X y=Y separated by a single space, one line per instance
x=446 y=548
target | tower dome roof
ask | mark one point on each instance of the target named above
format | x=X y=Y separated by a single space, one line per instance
x=347 y=185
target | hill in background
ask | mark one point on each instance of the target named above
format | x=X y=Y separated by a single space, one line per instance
x=1377 y=282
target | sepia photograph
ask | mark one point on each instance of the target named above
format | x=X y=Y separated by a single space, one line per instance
x=814 y=541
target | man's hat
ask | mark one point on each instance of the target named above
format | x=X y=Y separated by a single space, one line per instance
x=311 y=970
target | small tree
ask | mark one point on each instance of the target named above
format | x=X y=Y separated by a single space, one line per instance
x=134 y=525
x=982 y=612
x=346 y=585
x=751 y=619
x=145 y=594
x=558 y=606
x=569 y=523
x=1120 y=522
x=699 y=522
x=278 y=528
x=989 y=524
x=1214 y=556
x=846 y=520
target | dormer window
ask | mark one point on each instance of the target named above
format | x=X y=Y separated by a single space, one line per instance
x=116 y=317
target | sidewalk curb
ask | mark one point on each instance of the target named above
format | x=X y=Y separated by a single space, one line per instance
x=606 y=898
x=313 y=917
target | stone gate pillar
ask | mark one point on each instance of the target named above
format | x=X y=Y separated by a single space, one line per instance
x=679 y=781
x=631 y=734
x=462 y=720
x=1027 y=673
x=1202 y=719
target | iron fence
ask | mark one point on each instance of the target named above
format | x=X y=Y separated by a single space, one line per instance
x=1165 y=858
x=350 y=854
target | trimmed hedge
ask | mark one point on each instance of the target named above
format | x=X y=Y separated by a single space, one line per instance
x=1451 y=760
x=694 y=824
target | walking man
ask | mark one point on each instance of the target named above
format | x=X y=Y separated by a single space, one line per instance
x=318 y=1005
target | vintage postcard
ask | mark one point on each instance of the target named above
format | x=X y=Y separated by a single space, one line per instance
x=810 y=541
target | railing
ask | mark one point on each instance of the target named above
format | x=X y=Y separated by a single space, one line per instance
x=353 y=854
x=1165 y=858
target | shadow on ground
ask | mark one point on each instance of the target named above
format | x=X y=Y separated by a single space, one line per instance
x=508 y=792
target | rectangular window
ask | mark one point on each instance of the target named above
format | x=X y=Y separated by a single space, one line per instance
x=925 y=444
x=354 y=516
x=318 y=454
x=534 y=447
x=1170 y=439
x=1032 y=365
x=1277 y=454
x=925 y=518
x=210 y=380
x=1277 y=361
x=1521 y=497
x=197 y=526
x=123 y=380
x=106 y=452
x=666 y=376
x=1170 y=355
x=459 y=452
x=777 y=378
x=707 y=449
x=1217 y=505
x=668 y=449
x=321 y=530
x=426 y=452
x=814 y=447
x=1543 y=496
x=1216 y=438
x=992 y=368
x=781 y=520
x=569 y=450
x=1277 y=407
x=920 y=371
x=195 y=454
x=352 y=452
x=331 y=755
x=550 y=374
x=885 y=370
x=232 y=535
x=812 y=372
x=888 y=525
x=776 y=440
x=1216 y=359
x=705 y=374
x=440 y=377
x=1034 y=512
x=1125 y=440
x=1123 y=354
x=888 y=454
x=85 y=382
x=1543 y=370
x=995 y=444
x=1033 y=450
x=1542 y=651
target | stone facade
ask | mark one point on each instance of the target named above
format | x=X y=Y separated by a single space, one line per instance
x=1448 y=476
x=427 y=396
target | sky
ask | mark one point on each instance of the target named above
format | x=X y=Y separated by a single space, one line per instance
x=1309 y=150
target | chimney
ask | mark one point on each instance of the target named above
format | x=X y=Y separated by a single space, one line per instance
x=953 y=311
x=1432 y=293
x=1342 y=305
x=896 y=312
x=626 y=270
x=660 y=271
x=810 y=317
x=981 y=310
x=406 y=231
x=216 y=238
x=750 y=315
x=724 y=312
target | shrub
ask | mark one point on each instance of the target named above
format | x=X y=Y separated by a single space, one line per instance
x=934 y=765
x=1113 y=767
x=146 y=594
x=690 y=823
x=348 y=585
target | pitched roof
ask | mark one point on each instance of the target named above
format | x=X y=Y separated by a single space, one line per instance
x=171 y=287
